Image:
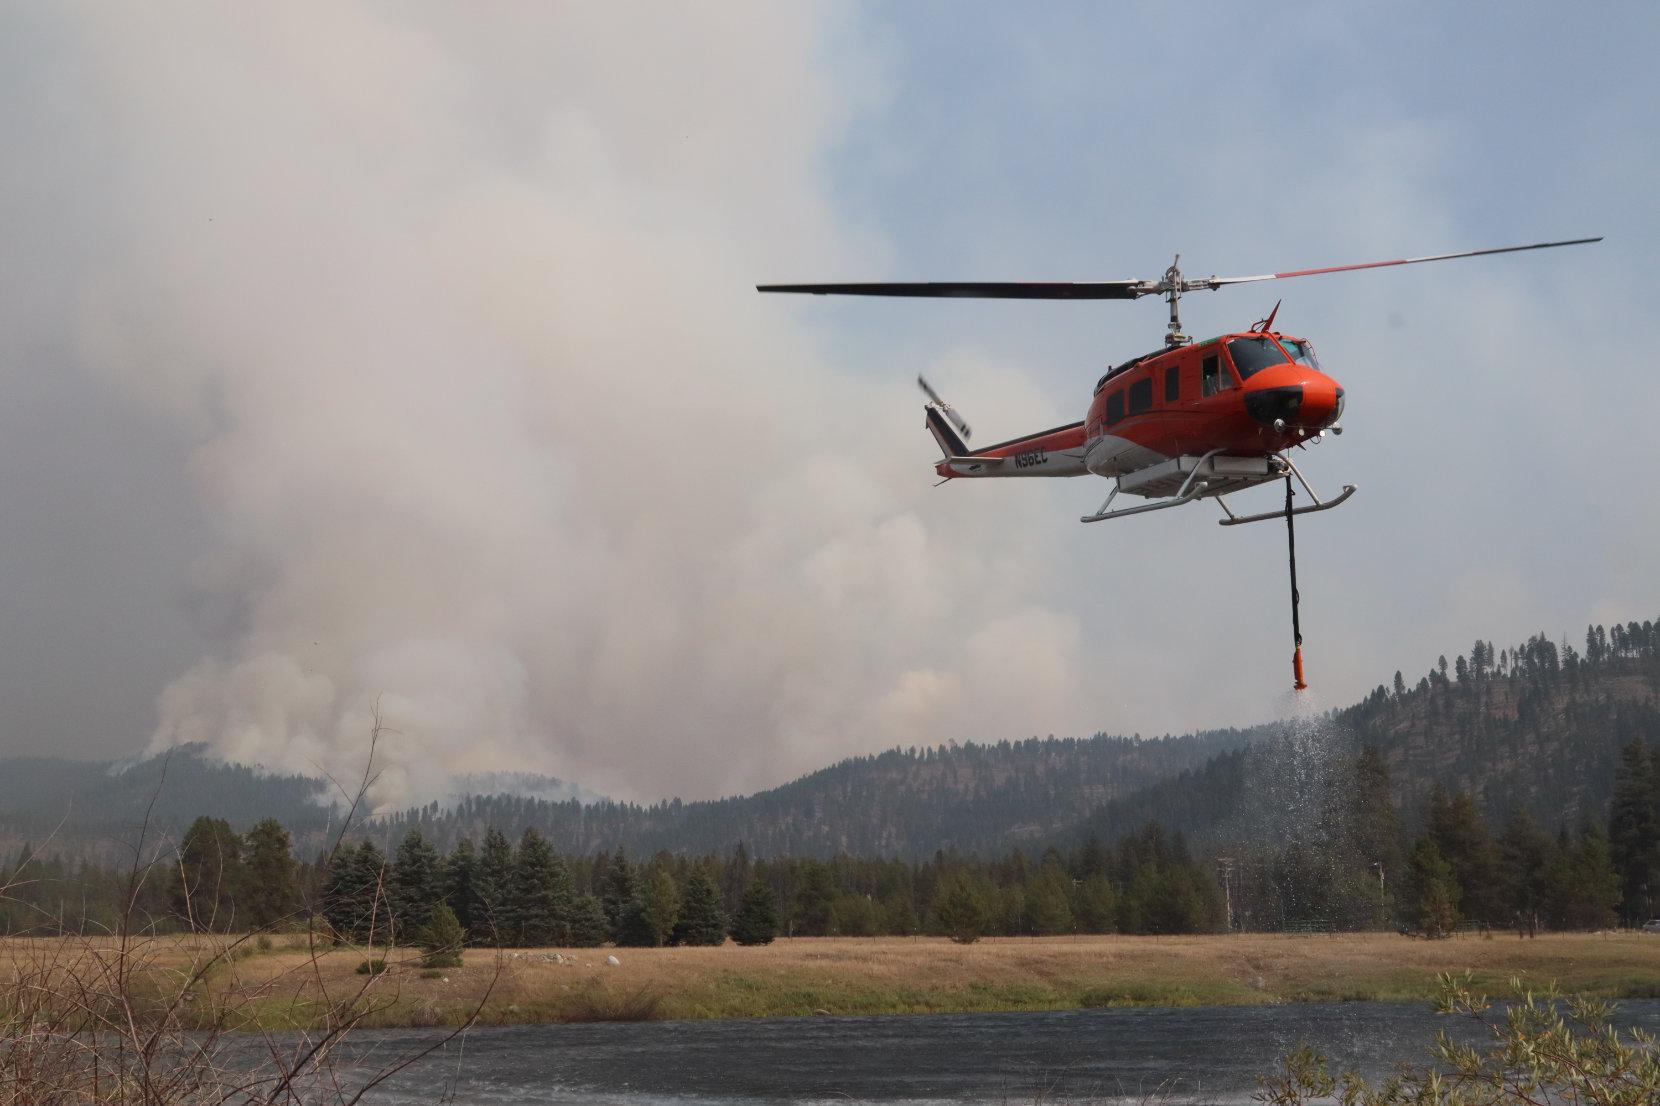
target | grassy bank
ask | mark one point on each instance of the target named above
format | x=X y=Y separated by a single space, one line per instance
x=277 y=988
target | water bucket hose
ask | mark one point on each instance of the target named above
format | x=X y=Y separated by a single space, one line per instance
x=1298 y=682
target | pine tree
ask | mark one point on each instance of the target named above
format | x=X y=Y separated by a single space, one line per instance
x=538 y=905
x=702 y=919
x=441 y=938
x=814 y=900
x=898 y=916
x=1092 y=859
x=209 y=876
x=735 y=878
x=1433 y=890
x=1524 y=853
x=635 y=928
x=1376 y=825
x=1093 y=905
x=1559 y=891
x=492 y=883
x=1634 y=834
x=960 y=912
x=1374 y=840
x=620 y=888
x=662 y=902
x=413 y=886
x=354 y=903
x=589 y=927
x=1465 y=843
x=459 y=877
x=1047 y=907
x=368 y=880
x=272 y=889
x=854 y=915
x=756 y=922
x=1598 y=892
x=340 y=898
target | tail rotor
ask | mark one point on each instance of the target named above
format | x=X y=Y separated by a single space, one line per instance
x=943 y=407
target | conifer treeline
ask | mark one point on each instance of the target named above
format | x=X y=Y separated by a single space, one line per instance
x=1365 y=873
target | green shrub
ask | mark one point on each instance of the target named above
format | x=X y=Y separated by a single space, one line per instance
x=441 y=939
x=1542 y=1049
x=597 y=1002
x=322 y=934
x=371 y=967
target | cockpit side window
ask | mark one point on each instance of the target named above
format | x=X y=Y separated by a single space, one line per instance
x=1212 y=377
x=1252 y=355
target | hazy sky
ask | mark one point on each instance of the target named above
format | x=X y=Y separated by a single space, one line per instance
x=378 y=351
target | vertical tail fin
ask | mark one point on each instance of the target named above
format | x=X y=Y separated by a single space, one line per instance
x=950 y=444
x=944 y=423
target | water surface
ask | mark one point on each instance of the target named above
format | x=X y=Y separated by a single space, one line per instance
x=1198 y=1055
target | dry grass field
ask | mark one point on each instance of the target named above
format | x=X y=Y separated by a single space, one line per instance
x=277 y=987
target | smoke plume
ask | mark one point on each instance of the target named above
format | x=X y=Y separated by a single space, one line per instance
x=489 y=427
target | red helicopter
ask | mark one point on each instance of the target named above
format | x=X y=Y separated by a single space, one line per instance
x=1194 y=420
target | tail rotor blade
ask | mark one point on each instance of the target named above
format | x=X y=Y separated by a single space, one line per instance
x=944 y=407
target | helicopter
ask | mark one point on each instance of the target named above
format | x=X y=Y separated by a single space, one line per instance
x=1191 y=420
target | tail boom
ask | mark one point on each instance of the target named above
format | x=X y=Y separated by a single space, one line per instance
x=1056 y=452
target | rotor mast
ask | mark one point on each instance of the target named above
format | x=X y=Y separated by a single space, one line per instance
x=1172 y=288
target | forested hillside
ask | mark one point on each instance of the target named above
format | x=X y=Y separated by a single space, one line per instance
x=980 y=799
x=96 y=808
x=1535 y=729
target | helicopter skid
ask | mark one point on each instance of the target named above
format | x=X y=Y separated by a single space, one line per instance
x=1211 y=476
x=1317 y=505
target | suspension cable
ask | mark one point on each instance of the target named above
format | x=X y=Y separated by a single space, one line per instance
x=1296 y=625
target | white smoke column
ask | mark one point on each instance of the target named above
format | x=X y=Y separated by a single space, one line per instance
x=492 y=426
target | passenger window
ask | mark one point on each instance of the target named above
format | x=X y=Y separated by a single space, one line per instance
x=1141 y=395
x=1210 y=376
x=1115 y=407
x=1172 y=384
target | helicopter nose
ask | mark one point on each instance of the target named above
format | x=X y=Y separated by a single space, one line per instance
x=1278 y=407
x=1309 y=405
x=1322 y=403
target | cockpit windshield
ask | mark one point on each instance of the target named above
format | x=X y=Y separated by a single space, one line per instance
x=1252 y=355
x=1301 y=352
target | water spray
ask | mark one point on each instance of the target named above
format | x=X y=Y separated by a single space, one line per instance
x=1296 y=626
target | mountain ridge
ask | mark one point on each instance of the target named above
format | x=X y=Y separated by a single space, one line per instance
x=1534 y=727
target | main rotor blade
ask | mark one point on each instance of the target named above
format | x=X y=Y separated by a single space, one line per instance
x=1217 y=282
x=994 y=290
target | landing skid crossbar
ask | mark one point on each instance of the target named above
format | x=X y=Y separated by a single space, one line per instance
x=1289 y=511
x=1217 y=485
x=1191 y=489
